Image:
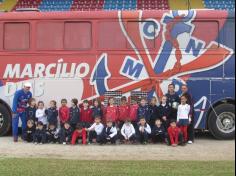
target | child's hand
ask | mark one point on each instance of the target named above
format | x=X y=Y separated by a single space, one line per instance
x=164 y=118
x=190 y=119
x=86 y=129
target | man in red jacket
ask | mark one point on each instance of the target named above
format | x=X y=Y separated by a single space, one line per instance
x=86 y=114
x=175 y=136
x=64 y=112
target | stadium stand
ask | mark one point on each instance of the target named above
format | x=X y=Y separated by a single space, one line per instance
x=90 y=5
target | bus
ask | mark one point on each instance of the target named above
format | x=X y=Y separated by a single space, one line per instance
x=86 y=54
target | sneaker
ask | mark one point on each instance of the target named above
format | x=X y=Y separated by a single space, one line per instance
x=41 y=143
x=190 y=142
x=35 y=143
x=64 y=143
x=15 y=139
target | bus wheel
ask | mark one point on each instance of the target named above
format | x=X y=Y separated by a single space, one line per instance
x=221 y=122
x=5 y=120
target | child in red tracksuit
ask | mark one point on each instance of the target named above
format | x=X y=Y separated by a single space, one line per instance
x=134 y=112
x=184 y=117
x=79 y=133
x=124 y=111
x=86 y=114
x=112 y=112
x=175 y=136
x=64 y=112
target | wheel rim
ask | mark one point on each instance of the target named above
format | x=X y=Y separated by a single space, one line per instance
x=1 y=120
x=226 y=122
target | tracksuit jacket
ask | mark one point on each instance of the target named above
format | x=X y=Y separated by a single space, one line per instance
x=20 y=101
x=29 y=134
x=86 y=116
x=153 y=113
x=40 y=136
x=53 y=135
x=124 y=112
x=143 y=111
x=112 y=113
x=97 y=111
x=74 y=115
x=134 y=112
x=52 y=114
x=30 y=113
x=164 y=110
x=172 y=98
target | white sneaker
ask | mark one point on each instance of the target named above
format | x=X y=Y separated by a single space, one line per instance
x=190 y=142
x=64 y=143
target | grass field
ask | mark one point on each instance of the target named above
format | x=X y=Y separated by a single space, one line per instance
x=53 y=167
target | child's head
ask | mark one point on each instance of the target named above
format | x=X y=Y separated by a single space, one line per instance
x=135 y=100
x=183 y=99
x=173 y=123
x=164 y=99
x=184 y=88
x=66 y=125
x=171 y=88
x=32 y=102
x=79 y=127
x=111 y=101
x=86 y=104
x=142 y=121
x=53 y=104
x=74 y=102
x=158 y=122
x=109 y=123
x=143 y=102
x=30 y=123
x=40 y=125
x=40 y=105
x=64 y=102
x=51 y=126
x=127 y=121
x=97 y=103
x=153 y=101
x=97 y=119
x=123 y=100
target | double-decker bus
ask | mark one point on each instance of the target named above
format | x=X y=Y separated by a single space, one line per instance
x=86 y=54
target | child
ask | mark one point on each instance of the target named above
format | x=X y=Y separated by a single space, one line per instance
x=86 y=114
x=65 y=134
x=74 y=113
x=158 y=132
x=112 y=111
x=79 y=133
x=95 y=131
x=134 y=112
x=124 y=111
x=164 y=112
x=64 y=112
x=41 y=115
x=184 y=117
x=30 y=130
x=97 y=109
x=153 y=111
x=143 y=110
x=109 y=133
x=31 y=110
x=40 y=134
x=144 y=131
x=175 y=136
x=52 y=133
x=128 y=132
x=52 y=113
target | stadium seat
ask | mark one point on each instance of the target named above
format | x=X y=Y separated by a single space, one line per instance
x=86 y=5
x=55 y=5
x=220 y=4
x=153 y=5
x=120 y=5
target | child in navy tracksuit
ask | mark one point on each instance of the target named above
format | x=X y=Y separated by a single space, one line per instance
x=159 y=133
x=97 y=109
x=65 y=134
x=52 y=113
x=109 y=133
x=31 y=110
x=40 y=134
x=153 y=111
x=29 y=132
x=52 y=133
x=144 y=131
x=164 y=112
x=143 y=110
x=74 y=113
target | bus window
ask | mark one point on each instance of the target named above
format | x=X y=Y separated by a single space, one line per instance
x=149 y=31
x=110 y=36
x=16 y=36
x=49 y=35
x=78 y=35
x=1 y=36
x=208 y=30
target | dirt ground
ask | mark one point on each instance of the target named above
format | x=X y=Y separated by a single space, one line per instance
x=204 y=148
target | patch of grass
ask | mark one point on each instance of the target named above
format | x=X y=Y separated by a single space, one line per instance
x=56 y=167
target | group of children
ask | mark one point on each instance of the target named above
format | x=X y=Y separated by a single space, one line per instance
x=129 y=124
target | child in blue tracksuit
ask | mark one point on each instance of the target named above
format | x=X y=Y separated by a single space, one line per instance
x=97 y=109
x=52 y=113
x=143 y=110
x=20 y=103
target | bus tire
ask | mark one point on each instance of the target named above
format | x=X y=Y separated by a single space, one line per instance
x=5 y=120
x=222 y=125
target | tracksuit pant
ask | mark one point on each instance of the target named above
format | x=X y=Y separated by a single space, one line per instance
x=180 y=139
x=93 y=135
x=160 y=137
x=15 y=123
x=191 y=134
x=143 y=137
x=111 y=140
x=40 y=138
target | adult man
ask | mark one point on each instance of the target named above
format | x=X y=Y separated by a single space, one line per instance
x=20 y=102
x=185 y=92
